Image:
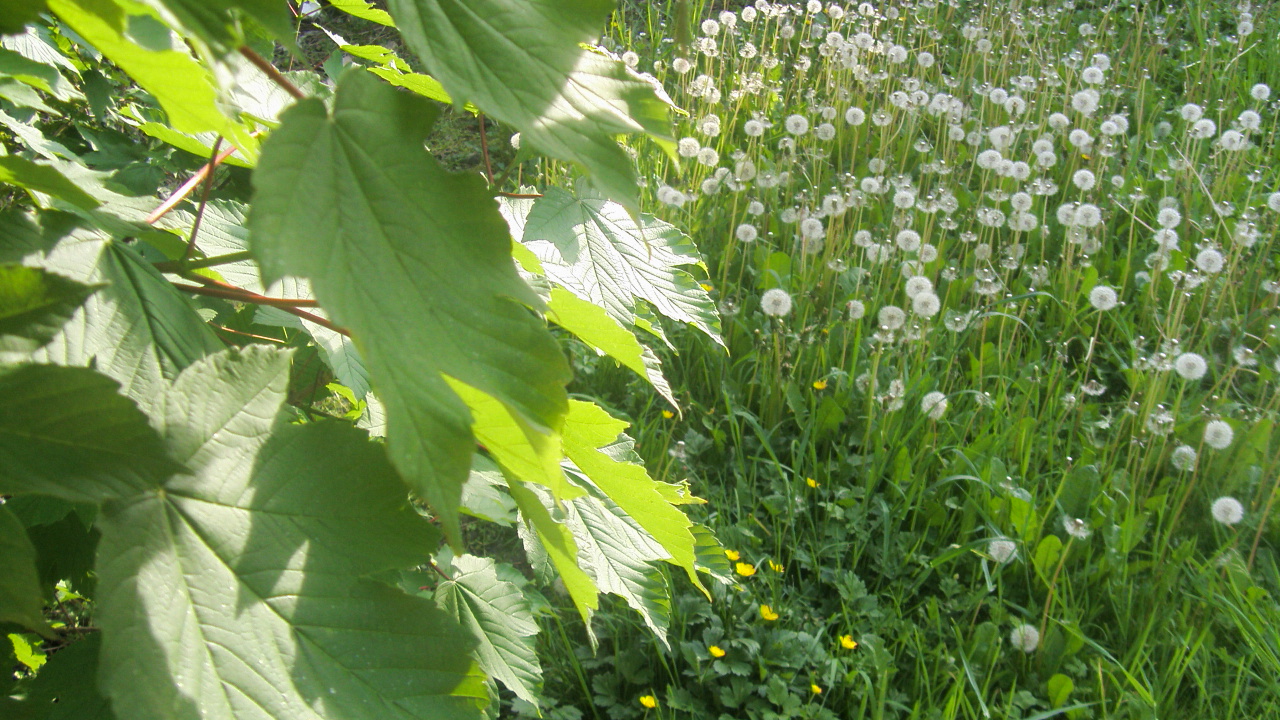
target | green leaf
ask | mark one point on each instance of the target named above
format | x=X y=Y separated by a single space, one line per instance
x=523 y=62
x=138 y=329
x=14 y=14
x=616 y=552
x=593 y=248
x=38 y=75
x=364 y=10
x=587 y=428
x=556 y=540
x=484 y=494
x=67 y=688
x=592 y=325
x=20 y=598
x=183 y=87
x=217 y=22
x=419 y=306
x=497 y=615
x=66 y=432
x=34 y=305
x=35 y=176
x=238 y=590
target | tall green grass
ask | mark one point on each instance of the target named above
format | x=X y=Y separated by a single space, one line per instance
x=1044 y=440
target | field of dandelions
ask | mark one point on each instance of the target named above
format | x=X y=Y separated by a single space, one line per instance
x=994 y=437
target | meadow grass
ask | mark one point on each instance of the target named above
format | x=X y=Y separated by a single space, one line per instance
x=994 y=435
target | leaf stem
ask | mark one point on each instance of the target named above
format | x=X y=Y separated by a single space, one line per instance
x=276 y=76
x=188 y=187
x=175 y=266
x=204 y=202
x=228 y=292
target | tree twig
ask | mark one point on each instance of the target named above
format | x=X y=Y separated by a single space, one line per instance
x=204 y=202
x=484 y=149
x=276 y=76
x=173 y=266
x=188 y=187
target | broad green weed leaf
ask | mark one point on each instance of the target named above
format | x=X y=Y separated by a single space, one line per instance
x=20 y=598
x=592 y=247
x=588 y=428
x=217 y=22
x=34 y=305
x=416 y=262
x=37 y=74
x=68 y=433
x=137 y=329
x=497 y=615
x=484 y=494
x=237 y=591
x=183 y=87
x=523 y=62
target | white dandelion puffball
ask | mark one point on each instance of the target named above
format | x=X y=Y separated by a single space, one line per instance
x=1026 y=638
x=1084 y=179
x=1260 y=92
x=855 y=116
x=826 y=132
x=688 y=147
x=1085 y=102
x=1209 y=261
x=709 y=157
x=926 y=304
x=681 y=65
x=934 y=405
x=1191 y=366
x=753 y=128
x=857 y=310
x=904 y=199
x=1168 y=217
x=918 y=284
x=797 y=124
x=1273 y=201
x=1218 y=434
x=891 y=317
x=1103 y=298
x=746 y=233
x=1203 y=129
x=1077 y=528
x=1002 y=550
x=1227 y=510
x=1183 y=458
x=1191 y=112
x=811 y=229
x=1233 y=141
x=1250 y=121
x=908 y=240
x=775 y=302
x=1058 y=121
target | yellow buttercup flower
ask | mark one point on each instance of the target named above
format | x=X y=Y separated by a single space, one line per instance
x=848 y=642
x=715 y=651
x=811 y=482
x=816 y=690
x=819 y=384
x=668 y=414
x=767 y=613
x=649 y=701
x=745 y=569
x=776 y=567
x=707 y=286
x=732 y=555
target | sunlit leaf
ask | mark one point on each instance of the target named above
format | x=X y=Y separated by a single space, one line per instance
x=523 y=62
x=497 y=615
x=34 y=305
x=416 y=262
x=238 y=590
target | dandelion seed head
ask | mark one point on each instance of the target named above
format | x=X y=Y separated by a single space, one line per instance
x=1002 y=550
x=775 y=302
x=908 y=240
x=796 y=124
x=1103 y=298
x=891 y=317
x=1183 y=458
x=1227 y=510
x=1210 y=261
x=1218 y=434
x=1191 y=112
x=934 y=404
x=746 y=233
x=1077 y=528
x=1025 y=637
x=1084 y=179
x=856 y=309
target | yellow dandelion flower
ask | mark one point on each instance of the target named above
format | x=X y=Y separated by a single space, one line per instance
x=767 y=613
x=848 y=642
x=707 y=286
x=668 y=414
x=819 y=384
x=776 y=567
x=732 y=555
x=745 y=569
x=811 y=482
x=715 y=651
x=816 y=690
x=649 y=701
